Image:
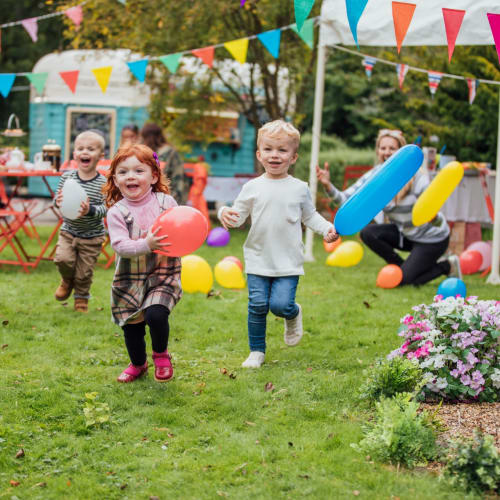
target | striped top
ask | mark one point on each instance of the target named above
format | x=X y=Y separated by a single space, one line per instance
x=92 y=224
x=400 y=214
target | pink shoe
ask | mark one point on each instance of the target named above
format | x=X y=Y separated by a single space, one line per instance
x=163 y=366
x=132 y=373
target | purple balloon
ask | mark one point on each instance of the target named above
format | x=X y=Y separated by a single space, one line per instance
x=218 y=237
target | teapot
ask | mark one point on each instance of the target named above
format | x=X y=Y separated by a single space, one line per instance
x=16 y=159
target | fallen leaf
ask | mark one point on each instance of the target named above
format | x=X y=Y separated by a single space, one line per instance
x=316 y=293
x=290 y=443
x=367 y=305
x=170 y=435
x=144 y=439
x=269 y=387
x=20 y=453
x=250 y=423
x=257 y=441
x=110 y=473
x=100 y=308
x=221 y=493
x=330 y=435
x=223 y=371
x=304 y=476
x=64 y=304
x=309 y=369
x=242 y=466
x=154 y=498
x=4 y=346
x=231 y=339
x=41 y=485
x=162 y=429
x=14 y=483
x=5 y=322
x=68 y=483
x=232 y=375
x=355 y=493
x=123 y=486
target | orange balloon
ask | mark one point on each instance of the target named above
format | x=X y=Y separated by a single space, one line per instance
x=235 y=260
x=470 y=261
x=389 y=276
x=330 y=247
x=185 y=227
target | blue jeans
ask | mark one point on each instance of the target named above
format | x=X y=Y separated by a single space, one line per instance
x=264 y=293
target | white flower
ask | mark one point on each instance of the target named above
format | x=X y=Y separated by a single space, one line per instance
x=439 y=361
x=495 y=377
x=441 y=383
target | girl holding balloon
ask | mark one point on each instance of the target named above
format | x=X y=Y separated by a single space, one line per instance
x=146 y=285
x=426 y=243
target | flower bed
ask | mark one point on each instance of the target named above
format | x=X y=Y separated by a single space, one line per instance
x=456 y=342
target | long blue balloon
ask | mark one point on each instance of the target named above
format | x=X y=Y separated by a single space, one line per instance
x=378 y=191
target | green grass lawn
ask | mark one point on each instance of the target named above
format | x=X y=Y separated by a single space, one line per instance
x=213 y=431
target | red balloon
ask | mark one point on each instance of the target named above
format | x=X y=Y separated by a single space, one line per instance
x=330 y=247
x=235 y=260
x=389 y=276
x=470 y=261
x=186 y=228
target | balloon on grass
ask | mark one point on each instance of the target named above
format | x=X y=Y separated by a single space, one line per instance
x=484 y=248
x=235 y=260
x=229 y=275
x=349 y=253
x=389 y=276
x=196 y=274
x=330 y=247
x=218 y=237
x=379 y=190
x=470 y=261
x=436 y=193
x=72 y=197
x=451 y=287
x=185 y=227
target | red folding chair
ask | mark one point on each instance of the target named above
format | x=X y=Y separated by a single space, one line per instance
x=11 y=221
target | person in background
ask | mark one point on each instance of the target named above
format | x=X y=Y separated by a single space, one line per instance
x=152 y=136
x=426 y=243
x=129 y=134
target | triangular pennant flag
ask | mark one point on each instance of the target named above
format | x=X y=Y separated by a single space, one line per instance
x=138 y=69
x=6 y=81
x=238 y=49
x=123 y=2
x=472 y=84
x=368 y=63
x=31 y=26
x=242 y=2
x=102 y=76
x=75 y=14
x=206 y=55
x=402 y=14
x=307 y=32
x=434 y=81
x=494 y=20
x=171 y=61
x=452 y=22
x=38 y=80
x=401 y=70
x=355 y=9
x=302 y=10
x=271 y=41
x=70 y=78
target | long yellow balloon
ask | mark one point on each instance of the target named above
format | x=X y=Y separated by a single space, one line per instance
x=437 y=192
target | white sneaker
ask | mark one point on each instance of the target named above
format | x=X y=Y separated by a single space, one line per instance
x=455 y=270
x=293 y=329
x=254 y=360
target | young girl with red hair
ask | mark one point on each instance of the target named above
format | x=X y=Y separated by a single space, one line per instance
x=146 y=285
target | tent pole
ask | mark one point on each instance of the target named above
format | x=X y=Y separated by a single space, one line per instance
x=319 y=91
x=494 y=277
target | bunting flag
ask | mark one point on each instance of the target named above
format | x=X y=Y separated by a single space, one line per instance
x=206 y=55
x=238 y=49
x=242 y=2
x=70 y=79
x=171 y=61
x=271 y=41
x=38 y=80
x=402 y=14
x=102 y=76
x=6 y=82
x=434 y=81
x=472 y=84
x=401 y=70
x=368 y=63
x=123 y=2
x=494 y=20
x=31 y=26
x=355 y=9
x=75 y=14
x=302 y=10
x=452 y=23
x=138 y=69
x=306 y=33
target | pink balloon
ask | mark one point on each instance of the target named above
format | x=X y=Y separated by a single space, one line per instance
x=235 y=260
x=484 y=248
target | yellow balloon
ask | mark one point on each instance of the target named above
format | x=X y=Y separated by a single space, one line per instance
x=196 y=274
x=437 y=192
x=229 y=275
x=347 y=254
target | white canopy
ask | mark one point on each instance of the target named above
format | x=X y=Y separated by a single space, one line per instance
x=376 y=27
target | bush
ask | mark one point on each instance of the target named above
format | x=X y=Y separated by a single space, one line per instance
x=475 y=464
x=390 y=377
x=399 y=435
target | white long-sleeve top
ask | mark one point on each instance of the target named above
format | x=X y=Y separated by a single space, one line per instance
x=277 y=207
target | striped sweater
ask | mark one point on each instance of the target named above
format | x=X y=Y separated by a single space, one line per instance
x=92 y=224
x=400 y=214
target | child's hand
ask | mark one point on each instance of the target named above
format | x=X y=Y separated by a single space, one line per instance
x=59 y=198
x=229 y=218
x=155 y=242
x=331 y=236
x=323 y=175
x=84 y=208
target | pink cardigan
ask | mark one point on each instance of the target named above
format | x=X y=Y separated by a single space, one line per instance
x=144 y=211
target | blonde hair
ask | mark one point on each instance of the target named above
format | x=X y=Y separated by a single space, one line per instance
x=94 y=135
x=395 y=134
x=278 y=128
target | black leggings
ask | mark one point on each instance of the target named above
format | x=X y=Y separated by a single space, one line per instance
x=156 y=317
x=421 y=265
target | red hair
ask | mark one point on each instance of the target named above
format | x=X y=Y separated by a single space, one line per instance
x=144 y=155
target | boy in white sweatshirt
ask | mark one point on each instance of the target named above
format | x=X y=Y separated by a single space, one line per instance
x=274 y=253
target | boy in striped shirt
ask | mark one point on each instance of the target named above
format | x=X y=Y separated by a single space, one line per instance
x=80 y=240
